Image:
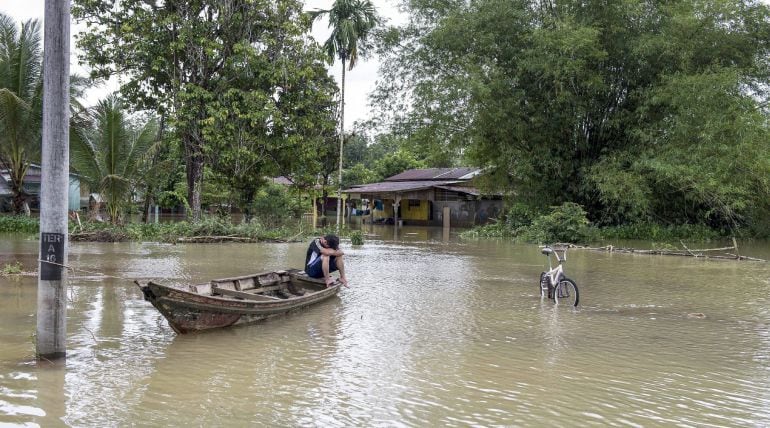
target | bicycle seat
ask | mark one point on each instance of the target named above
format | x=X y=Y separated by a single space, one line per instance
x=547 y=251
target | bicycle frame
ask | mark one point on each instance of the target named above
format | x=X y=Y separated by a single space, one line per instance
x=557 y=286
x=555 y=274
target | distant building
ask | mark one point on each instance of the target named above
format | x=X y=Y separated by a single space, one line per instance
x=423 y=196
x=32 y=188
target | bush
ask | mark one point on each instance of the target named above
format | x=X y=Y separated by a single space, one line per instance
x=274 y=203
x=657 y=232
x=565 y=223
x=14 y=268
x=357 y=238
x=19 y=224
x=495 y=229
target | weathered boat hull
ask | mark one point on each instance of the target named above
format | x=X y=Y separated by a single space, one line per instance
x=196 y=310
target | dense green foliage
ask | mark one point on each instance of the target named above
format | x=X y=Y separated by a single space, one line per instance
x=238 y=82
x=21 y=101
x=274 y=205
x=19 y=224
x=107 y=151
x=640 y=112
x=568 y=223
x=565 y=223
x=369 y=161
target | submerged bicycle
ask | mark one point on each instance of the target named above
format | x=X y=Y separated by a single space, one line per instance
x=553 y=283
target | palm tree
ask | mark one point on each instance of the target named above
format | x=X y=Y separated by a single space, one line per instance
x=108 y=153
x=21 y=100
x=351 y=22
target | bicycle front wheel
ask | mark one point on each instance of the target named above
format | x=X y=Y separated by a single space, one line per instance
x=566 y=293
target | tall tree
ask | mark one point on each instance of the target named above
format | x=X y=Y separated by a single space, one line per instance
x=180 y=56
x=351 y=21
x=274 y=117
x=21 y=102
x=109 y=153
x=639 y=111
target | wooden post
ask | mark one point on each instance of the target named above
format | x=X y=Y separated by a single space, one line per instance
x=446 y=217
x=54 y=185
x=371 y=210
x=396 y=204
x=315 y=212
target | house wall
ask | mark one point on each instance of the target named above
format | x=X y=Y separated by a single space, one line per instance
x=74 y=194
x=468 y=213
x=413 y=209
x=383 y=208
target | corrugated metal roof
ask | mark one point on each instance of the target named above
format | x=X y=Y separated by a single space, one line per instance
x=399 y=186
x=436 y=174
x=281 y=180
x=460 y=189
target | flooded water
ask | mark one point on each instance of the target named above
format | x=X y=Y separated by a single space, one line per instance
x=434 y=331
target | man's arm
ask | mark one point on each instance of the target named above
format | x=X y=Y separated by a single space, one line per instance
x=331 y=252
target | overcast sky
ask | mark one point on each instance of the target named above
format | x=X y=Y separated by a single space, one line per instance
x=359 y=82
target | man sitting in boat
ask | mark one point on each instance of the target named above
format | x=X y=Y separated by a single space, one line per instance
x=324 y=257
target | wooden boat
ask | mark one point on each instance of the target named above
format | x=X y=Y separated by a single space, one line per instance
x=234 y=301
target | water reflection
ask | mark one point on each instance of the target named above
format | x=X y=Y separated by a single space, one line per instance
x=433 y=331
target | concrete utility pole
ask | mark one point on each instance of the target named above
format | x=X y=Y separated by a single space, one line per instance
x=54 y=186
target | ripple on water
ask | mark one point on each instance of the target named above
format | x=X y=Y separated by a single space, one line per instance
x=429 y=334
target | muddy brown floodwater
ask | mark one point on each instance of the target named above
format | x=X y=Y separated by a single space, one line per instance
x=434 y=331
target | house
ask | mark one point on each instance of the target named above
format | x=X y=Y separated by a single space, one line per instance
x=426 y=197
x=32 y=188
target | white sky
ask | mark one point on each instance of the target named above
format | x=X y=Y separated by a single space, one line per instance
x=358 y=83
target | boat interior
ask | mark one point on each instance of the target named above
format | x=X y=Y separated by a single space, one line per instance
x=277 y=285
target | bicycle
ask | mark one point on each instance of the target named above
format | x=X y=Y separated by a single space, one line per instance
x=554 y=283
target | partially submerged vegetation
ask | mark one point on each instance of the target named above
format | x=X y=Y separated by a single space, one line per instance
x=18 y=224
x=569 y=223
x=208 y=229
x=14 y=268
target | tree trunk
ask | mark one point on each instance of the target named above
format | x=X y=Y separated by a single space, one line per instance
x=18 y=171
x=19 y=201
x=146 y=208
x=194 y=162
x=149 y=194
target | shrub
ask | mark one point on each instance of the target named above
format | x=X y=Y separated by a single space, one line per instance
x=274 y=203
x=14 y=268
x=565 y=223
x=19 y=224
x=357 y=238
x=657 y=232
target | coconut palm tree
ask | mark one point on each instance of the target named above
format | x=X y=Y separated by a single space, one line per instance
x=21 y=101
x=351 y=22
x=108 y=153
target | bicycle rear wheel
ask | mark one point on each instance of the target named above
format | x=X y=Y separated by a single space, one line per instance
x=566 y=293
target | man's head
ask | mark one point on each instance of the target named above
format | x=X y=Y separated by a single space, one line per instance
x=332 y=241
